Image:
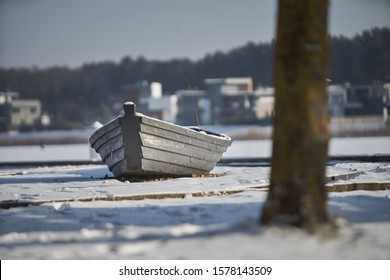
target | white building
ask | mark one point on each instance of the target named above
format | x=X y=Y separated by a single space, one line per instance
x=167 y=104
x=194 y=108
x=16 y=113
x=264 y=102
x=231 y=100
x=337 y=98
x=25 y=112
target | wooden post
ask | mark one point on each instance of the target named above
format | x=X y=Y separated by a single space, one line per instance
x=300 y=139
x=129 y=108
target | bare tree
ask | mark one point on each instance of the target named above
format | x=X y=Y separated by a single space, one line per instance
x=297 y=193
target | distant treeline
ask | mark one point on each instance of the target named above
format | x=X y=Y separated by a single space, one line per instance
x=75 y=97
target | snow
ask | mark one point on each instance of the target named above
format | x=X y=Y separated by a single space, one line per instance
x=82 y=212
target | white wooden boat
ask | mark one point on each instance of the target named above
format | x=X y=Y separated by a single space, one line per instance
x=136 y=145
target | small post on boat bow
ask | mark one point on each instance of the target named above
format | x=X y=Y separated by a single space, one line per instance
x=129 y=108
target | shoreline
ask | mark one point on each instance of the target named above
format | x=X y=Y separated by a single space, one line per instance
x=237 y=133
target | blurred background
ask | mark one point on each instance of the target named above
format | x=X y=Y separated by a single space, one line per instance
x=66 y=67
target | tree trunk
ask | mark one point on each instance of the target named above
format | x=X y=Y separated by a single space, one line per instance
x=297 y=193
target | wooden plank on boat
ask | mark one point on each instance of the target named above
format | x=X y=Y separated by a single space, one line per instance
x=112 y=158
x=177 y=159
x=103 y=130
x=104 y=138
x=171 y=135
x=156 y=142
x=184 y=131
x=169 y=168
x=119 y=168
x=110 y=146
x=153 y=168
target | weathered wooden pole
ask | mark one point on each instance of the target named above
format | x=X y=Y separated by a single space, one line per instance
x=300 y=139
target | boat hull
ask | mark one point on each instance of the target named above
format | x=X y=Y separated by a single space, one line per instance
x=134 y=144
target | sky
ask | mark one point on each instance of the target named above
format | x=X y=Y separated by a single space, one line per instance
x=45 y=33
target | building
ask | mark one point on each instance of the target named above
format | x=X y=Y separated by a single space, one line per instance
x=337 y=99
x=166 y=106
x=194 y=107
x=149 y=100
x=16 y=114
x=25 y=112
x=365 y=100
x=232 y=100
x=358 y=101
x=264 y=104
x=139 y=93
x=6 y=109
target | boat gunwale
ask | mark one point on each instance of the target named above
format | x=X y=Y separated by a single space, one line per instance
x=108 y=127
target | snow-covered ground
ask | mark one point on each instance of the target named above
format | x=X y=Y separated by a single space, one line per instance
x=83 y=213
